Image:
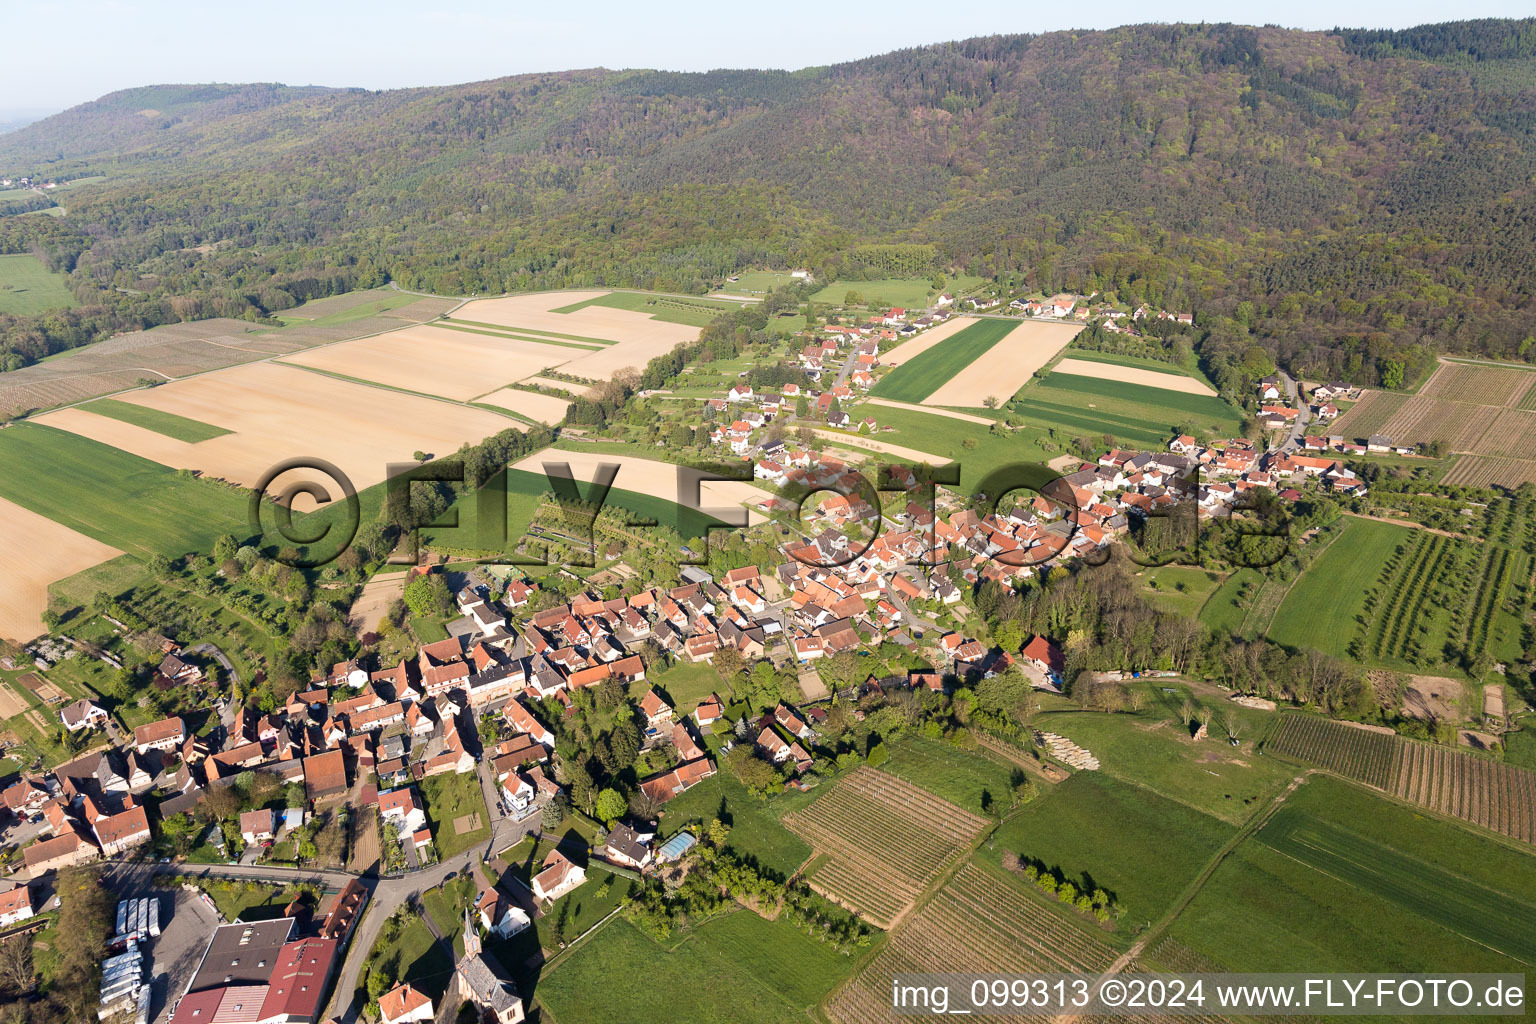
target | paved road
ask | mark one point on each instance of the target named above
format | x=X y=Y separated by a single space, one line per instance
x=1303 y=414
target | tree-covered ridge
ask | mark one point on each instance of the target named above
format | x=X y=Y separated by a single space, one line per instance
x=1366 y=195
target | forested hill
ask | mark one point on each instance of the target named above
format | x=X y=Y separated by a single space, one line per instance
x=1348 y=200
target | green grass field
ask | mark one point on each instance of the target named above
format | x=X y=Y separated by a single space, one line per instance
x=686 y=683
x=524 y=490
x=1221 y=611
x=28 y=287
x=1180 y=589
x=737 y=968
x=755 y=827
x=167 y=423
x=449 y=797
x=690 y=311
x=1150 y=748
x=1131 y=413
x=345 y=308
x=138 y=506
x=1323 y=606
x=907 y=292
x=1342 y=880
x=1104 y=833
x=946 y=438
x=757 y=282
x=967 y=778
x=918 y=378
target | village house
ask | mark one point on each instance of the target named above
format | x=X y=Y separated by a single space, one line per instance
x=15 y=905
x=558 y=876
x=405 y=1004
x=258 y=826
x=84 y=714
x=166 y=734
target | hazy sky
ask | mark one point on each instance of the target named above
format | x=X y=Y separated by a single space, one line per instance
x=87 y=48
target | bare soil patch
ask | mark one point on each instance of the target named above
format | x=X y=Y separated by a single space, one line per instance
x=279 y=412
x=1133 y=375
x=547 y=409
x=1477 y=740
x=34 y=552
x=1433 y=698
x=453 y=364
x=374 y=600
x=11 y=702
x=1006 y=366
x=466 y=823
x=640 y=338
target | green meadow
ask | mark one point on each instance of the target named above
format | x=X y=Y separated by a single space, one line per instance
x=27 y=287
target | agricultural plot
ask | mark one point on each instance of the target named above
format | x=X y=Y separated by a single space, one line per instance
x=1479 y=385
x=670 y=308
x=1361 y=754
x=352 y=306
x=28 y=287
x=167 y=423
x=121 y=500
x=1370 y=414
x=1436 y=602
x=1484 y=471
x=645 y=476
x=885 y=839
x=34 y=552
x=1125 y=857
x=277 y=412
x=906 y=292
x=437 y=361
x=639 y=336
x=1511 y=436
x=1131 y=413
x=925 y=374
x=1493 y=795
x=909 y=350
x=978 y=922
x=776 y=973
x=1342 y=880
x=1005 y=367
x=1458 y=425
x=546 y=409
x=1168 y=380
x=1326 y=603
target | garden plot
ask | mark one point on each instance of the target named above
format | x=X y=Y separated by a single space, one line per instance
x=453 y=364
x=34 y=552
x=280 y=412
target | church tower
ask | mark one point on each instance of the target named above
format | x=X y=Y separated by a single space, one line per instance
x=471 y=936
